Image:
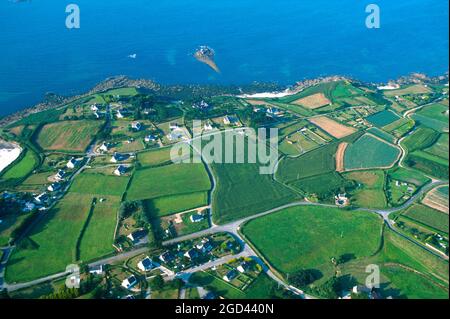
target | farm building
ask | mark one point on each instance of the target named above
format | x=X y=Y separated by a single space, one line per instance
x=230 y=275
x=72 y=163
x=96 y=270
x=196 y=218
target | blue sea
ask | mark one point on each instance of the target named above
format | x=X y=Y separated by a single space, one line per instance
x=279 y=41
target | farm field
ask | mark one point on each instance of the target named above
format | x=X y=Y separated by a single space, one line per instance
x=99 y=184
x=382 y=134
x=437 y=199
x=22 y=168
x=370 y=152
x=435 y=116
x=383 y=118
x=408 y=176
x=51 y=245
x=294 y=238
x=332 y=127
x=413 y=89
x=98 y=236
x=168 y=205
x=154 y=157
x=429 y=164
x=424 y=272
x=8 y=225
x=400 y=127
x=68 y=135
x=370 y=194
x=440 y=147
x=313 y=101
x=422 y=137
x=323 y=186
x=241 y=191
x=428 y=216
x=261 y=288
x=316 y=162
x=168 y=180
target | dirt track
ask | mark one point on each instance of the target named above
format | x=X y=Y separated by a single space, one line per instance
x=340 y=156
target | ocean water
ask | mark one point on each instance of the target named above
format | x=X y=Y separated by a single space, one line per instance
x=255 y=40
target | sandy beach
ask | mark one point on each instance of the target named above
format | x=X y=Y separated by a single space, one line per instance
x=9 y=152
x=267 y=95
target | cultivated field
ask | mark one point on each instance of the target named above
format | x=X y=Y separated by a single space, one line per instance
x=299 y=237
x=383 y=118
x=51 y=246
x=413 y=89
x=168 y=205
x=98 y=236
x=437 y=199
x=428 y=216
x=313 y=101
x=68 y=135
x=370 y=152
x=99 y=184
x=154 y=157
x=340 y=156
x=22 y=168
x=370 y=193
x=333 y=128
x=168 y=180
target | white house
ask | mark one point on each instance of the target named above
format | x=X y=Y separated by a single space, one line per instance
x=104 y=147
x=94 y=108
x=174 y=126
x=205 y=245
x=196 y=218
x=136 y=126
x=207 y=127
x=229 y=120
x=117 y=158
x=42 y=198
x=54 y=187
x=166 y=257
x=60 y=175
x=129 y=282
x=242 y=268
x=97 y=270
x=230 y=275
x=145 y=264
x=72 y=163
x=119 y=114
x=120 y=170
x=191 y=254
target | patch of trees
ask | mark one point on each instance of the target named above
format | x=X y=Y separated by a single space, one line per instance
x=305 y=277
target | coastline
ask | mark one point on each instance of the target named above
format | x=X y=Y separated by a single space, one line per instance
x=9 y=152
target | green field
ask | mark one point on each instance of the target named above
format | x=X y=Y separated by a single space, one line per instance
x=154 y=157
x=400 y=127
x=383 y=118
x=440 y=147
x=242 y=191
x=323 y=186
x=429 y=164
x=370 y=193
x=8 y=225
x=98 y=236
x=421 y=138
x=23 y=167
x=299 y=237
x=408 y=176
x=261 y=288
x=425 y=276
x=382 y=134
x=99 y=184
x=168 y=205
x=370 y=152
x=407 y=90
x=53 y=241
x=434 y=116
x=316 y=162
x=68 y=135
x=428 y=216
x=168 y=180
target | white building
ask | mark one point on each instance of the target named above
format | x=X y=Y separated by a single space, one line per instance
x=120 y=170
x=72 y=163
x=145 y=264
x=130 y=282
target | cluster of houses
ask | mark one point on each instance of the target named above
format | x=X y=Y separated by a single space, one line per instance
x=201 y=249
x=270 y=112
x=233 y=273
x=202 y=105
